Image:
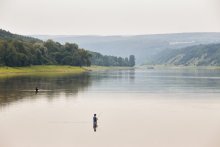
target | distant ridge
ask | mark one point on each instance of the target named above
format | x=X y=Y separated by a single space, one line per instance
x=144 y=47
x=199 y=55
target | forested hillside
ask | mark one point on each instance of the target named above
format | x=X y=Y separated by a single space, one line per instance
x=200 y=55
x=17 y=50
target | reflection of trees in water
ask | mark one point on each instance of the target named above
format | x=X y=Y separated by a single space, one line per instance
x=16 y=88
x=115 y=74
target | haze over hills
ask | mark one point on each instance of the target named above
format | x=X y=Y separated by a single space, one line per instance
x=197 y=49
x=199 y=55
x=144 y=47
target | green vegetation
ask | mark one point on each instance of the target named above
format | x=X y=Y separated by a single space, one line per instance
x=52 y=70
x=18 y=51
x=41 y=69
x=101 y=60
x=199 y=55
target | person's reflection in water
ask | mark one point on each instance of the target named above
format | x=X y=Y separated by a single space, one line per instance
x=95 y=123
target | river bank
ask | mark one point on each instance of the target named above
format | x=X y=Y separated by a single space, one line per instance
x=40 y=69
x=51 y=70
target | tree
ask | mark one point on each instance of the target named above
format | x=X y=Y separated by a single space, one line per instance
x=126 y=61
x=120 y=61
x=104 y=60
x=131 y=60
x=85 y=57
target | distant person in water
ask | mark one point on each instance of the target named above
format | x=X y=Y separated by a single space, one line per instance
x=36 y=90
x=95 y=124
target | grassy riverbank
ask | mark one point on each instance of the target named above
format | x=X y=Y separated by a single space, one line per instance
x=41 y=69
x=51 y=70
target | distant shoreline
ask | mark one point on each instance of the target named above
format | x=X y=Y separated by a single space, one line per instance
x=180 y=67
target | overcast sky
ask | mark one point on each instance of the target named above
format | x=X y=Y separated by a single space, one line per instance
x=109 y=17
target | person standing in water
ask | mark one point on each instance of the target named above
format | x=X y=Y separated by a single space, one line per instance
x=95 y=124
x=36 y=90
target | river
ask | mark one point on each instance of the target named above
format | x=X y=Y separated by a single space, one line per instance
x=135 y=108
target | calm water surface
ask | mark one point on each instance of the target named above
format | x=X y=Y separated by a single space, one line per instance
x=136 y=108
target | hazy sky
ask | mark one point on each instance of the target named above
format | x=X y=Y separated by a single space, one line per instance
x=109 y=17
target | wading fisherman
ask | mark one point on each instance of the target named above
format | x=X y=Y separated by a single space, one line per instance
x=36 y=89
x=95 y=125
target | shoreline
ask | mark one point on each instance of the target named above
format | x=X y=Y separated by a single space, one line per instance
x=180 y=67
x=103 y=68
x=52 y=70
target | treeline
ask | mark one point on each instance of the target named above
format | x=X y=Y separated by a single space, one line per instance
x=104 y=60
x=20 y=53
x=6 y=35
x=18 y=50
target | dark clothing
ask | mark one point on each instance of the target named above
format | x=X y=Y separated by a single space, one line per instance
x=95 y=119
x=95 y=125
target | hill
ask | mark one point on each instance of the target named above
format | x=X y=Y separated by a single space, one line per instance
x=144 y=47
x=199 y=55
